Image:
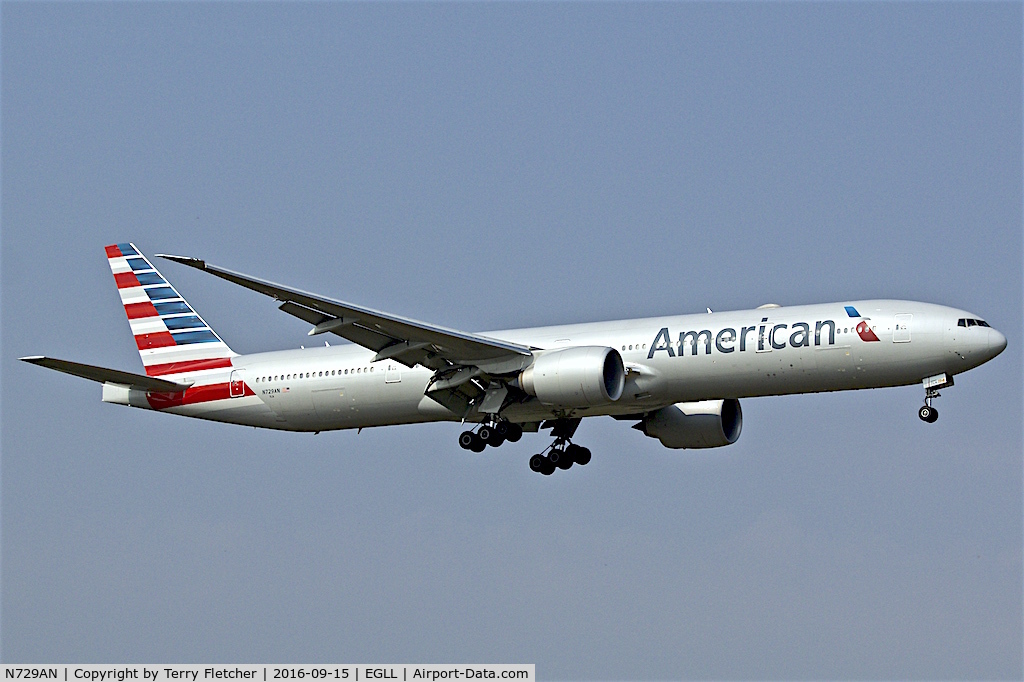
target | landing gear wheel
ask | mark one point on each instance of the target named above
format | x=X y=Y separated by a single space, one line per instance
x=542 y=465
x=928 y=414
x=490 y=436
x=466 y=440
x=561 y=459
x=478 y=444
x=579 y=454
x=515 y=432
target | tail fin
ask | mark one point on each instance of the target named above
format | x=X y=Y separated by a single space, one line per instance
x=172 y=338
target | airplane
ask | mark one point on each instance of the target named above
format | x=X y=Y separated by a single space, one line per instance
x=678 y=378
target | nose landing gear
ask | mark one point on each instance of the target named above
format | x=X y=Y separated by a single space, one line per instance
x=932 y=384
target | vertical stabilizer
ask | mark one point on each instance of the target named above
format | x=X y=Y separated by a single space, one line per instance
x=172 y=338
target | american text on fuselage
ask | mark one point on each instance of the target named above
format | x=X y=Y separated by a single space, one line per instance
x=726 y=338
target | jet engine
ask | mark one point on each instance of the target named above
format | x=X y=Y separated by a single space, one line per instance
x=705 y=424
x=575 y=377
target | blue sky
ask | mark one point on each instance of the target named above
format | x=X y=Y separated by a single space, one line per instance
x=487 y=166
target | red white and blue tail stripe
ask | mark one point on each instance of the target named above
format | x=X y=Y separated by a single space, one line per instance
x=172 y=338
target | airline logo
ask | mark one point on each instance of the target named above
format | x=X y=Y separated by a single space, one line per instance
x=171 y=337
x=864 y=330
x=760 y=337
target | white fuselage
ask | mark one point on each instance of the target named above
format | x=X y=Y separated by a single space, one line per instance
x=767 y=351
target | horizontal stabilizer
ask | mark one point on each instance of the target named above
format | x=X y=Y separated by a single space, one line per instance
x=104 y=375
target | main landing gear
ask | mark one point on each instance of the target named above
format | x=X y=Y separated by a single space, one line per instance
x=493 y=434
x=932 y=385
x=560 y=455
x=563 y=453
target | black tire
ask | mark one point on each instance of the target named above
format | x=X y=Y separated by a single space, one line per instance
x=478 y=444
x=466 y=439
x=549 y=468
x=491 y=436
x=538 y=463
x=501 y=428
x=561 y=459
x=581 y=456
x=925 y=413
x=935 y=416
x=515 y=432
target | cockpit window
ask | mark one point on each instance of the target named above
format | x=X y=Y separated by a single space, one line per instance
x=968 y=322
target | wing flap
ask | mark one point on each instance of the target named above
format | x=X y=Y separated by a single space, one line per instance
x=104 y=375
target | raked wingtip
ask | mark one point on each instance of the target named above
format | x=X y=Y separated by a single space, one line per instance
x=184 y=260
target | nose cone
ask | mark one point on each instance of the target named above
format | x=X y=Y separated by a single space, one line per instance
x=996 y=343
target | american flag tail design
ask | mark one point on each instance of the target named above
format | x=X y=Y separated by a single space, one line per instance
x=172 y=338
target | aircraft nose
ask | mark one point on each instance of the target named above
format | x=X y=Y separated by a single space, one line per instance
x=996 y=342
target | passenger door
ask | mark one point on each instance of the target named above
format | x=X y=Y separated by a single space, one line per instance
x=901 y=328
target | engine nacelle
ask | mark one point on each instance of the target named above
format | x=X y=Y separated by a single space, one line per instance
x=705 y=424
x=576 y=377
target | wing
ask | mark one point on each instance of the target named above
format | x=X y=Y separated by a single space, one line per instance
x=398 y=338
x=107 y=376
